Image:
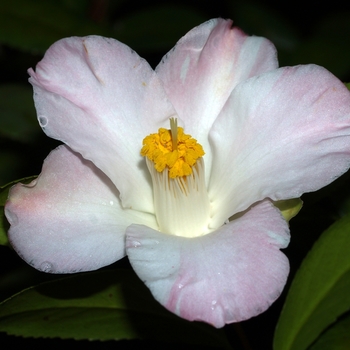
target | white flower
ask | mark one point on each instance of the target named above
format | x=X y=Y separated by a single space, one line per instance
x=267 y=133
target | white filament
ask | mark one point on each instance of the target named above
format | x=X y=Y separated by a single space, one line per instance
x=181 y=204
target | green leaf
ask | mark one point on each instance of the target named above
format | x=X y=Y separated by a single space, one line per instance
x=4 y=191
x=319 y=293
x=34 y=25
x=17 y=113
x=336 y=337
x=102 y=305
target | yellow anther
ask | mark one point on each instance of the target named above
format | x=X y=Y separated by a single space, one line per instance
x=172 y=149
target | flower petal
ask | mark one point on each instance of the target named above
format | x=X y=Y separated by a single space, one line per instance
x=226 y=276
x=100 y=98
x=203 y=68
x=69 y=219
x=281 y=134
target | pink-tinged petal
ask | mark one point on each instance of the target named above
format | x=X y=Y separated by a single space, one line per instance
x=69 y=219
x=226 y=276
x=280 y=135
x=100 y=98
x=203 y=68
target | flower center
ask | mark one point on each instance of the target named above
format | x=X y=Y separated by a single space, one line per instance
x=174 y=160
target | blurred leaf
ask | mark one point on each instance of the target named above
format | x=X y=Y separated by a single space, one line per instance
x=319 y=292
x=17 y=113
x=157 y=28
x=4 y=190
x=34 y=25
x=3 y=228
x=336 y=337
x=102 y=305
x=343 y=205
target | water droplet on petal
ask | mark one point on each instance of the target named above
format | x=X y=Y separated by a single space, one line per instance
x=111 y=202
x=43 y=121
x=135 y=244
x=213 y=304
x=46 y=267
x=180 y=285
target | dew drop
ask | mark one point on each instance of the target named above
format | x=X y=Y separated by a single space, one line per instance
x=213 y=304
x=43 y=121
x=135 y=244
x=46 y=266
x=180 y=286
x=111 y=202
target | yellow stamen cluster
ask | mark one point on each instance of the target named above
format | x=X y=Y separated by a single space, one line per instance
x=172 y=149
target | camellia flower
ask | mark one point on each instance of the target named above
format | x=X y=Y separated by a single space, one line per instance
x=178 y=167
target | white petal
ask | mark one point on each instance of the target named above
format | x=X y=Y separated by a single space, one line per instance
x=204 y=67
x=69 y=219
x=281 y=134
x=100 y=98
x=227 y=276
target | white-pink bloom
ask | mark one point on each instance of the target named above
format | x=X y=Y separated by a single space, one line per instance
x=268 y=133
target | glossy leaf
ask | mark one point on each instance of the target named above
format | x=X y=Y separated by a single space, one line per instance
x=319 y=293
x=4 y=190
x=102 y=305
x=336 y=337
